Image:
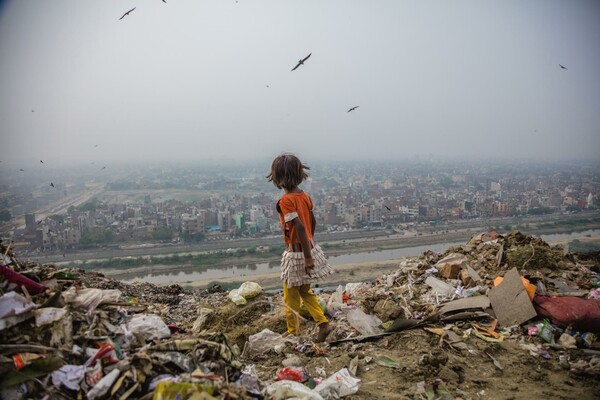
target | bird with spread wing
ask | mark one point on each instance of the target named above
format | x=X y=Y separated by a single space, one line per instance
x=301 y=61
x=127 y=13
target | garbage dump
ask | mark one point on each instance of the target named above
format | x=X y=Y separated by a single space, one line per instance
x=499 y=314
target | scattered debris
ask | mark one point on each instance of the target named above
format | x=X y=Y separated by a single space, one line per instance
x=70 y=334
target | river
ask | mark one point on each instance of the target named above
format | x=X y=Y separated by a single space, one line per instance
x=189 y=274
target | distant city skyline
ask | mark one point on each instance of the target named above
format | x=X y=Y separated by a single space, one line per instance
x=192 y=204
x=211 y=82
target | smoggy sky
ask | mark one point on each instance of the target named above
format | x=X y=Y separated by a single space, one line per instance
x=210 y=80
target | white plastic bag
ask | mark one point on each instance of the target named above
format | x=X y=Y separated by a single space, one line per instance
x=249 y=290
x=236 y=297
x=364 y=323
x=265 y=341
x=340 y=384
x=14 y=309
x=48 y=315
x=203 y=315
x=336 y=301
x=68 y=376
x=282 y=390
x=12 y=303
x=90 y=298
x=149 y=326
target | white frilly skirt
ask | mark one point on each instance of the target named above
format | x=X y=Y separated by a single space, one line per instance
x=292 y=267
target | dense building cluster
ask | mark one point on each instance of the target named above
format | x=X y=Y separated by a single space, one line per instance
x=186 y=204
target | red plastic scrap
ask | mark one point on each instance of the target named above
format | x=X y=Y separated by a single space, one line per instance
x=31 y=286
x=292 y=374
x=105 y=351
x=175 y=329
x=93 y=374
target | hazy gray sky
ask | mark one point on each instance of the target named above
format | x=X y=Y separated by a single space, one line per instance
x=211 y=80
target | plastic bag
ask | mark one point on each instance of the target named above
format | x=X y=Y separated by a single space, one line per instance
x=265 y=341
x=340 y=384
x=364 y=323
x=249 y=290
x=48 y=315
x=90 y=298
x=203 y=315
x=12 y=303
x=336 y=301
x=282 y=390
x=236 y=297
x=149 y=326
x=297 y=374
x=68 y=376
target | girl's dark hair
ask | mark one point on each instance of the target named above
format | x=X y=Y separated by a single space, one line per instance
x=287 y=171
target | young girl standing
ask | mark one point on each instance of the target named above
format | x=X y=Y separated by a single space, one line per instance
x=303 y=261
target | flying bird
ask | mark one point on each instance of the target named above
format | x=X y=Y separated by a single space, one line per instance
x=164 y=1
x=353 y=108
x=21 y=169
x=389 y=209
x=103 y=167
x=41 y=161
x=52 y=184
x=301 y=61
x=563 y=67
x=127 y=13
x=32 y=110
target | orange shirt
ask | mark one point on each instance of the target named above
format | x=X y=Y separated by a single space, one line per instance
x=295 y=205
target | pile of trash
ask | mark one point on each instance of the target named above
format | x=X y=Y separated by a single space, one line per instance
x=69 y=334
x=497 y=314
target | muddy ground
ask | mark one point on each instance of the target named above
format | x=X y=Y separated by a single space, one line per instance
x=422 y=357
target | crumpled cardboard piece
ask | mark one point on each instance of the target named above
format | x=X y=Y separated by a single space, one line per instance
x=466 y=303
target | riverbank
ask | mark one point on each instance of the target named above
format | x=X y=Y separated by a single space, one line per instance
x=354 y=272
x=189 y=261
x=346 y=272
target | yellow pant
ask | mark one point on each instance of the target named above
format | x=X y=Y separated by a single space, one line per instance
x=292 y=297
